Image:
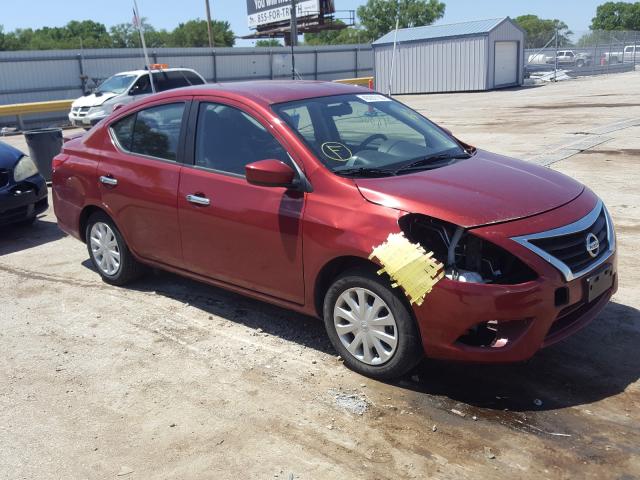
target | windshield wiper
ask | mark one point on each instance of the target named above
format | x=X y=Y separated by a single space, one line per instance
x=365 y=172
x=430 y=160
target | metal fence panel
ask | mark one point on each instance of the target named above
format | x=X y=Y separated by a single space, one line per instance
x=592 y=52
x=32 y=76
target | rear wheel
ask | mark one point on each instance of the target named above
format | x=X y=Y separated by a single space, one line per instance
x=371 y=326
x=109 y=252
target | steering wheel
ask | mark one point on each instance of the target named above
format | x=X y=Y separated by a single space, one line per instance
x=371 y=138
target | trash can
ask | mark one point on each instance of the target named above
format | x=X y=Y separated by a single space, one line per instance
x=44 y=144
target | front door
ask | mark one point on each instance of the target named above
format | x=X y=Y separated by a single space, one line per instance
x=139 y=175
x=242 y=234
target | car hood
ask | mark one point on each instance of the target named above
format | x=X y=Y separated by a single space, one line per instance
x=93 y=100
x=9 y=156
x=484 y=189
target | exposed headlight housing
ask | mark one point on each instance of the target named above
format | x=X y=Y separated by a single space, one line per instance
x=24 y=169
x=467 y=257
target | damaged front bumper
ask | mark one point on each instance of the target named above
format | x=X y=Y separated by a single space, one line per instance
x=490 y=322
x=504 y=323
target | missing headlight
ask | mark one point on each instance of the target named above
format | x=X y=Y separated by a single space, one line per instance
x=468 y=258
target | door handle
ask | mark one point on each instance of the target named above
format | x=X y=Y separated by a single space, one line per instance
x=198 y=200
x=107 y=180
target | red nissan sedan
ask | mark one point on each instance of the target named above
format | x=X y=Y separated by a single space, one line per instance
x=283 y=190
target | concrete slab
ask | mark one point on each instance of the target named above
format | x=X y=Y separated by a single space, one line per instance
x=171 y=378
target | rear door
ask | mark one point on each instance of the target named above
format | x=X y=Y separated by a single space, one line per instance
x=139 y=174
x=232 y=231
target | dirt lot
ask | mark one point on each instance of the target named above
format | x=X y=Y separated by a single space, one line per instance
x=174 y=379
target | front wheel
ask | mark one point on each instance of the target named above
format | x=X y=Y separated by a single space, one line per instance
x=371 y=326
x=109 y=252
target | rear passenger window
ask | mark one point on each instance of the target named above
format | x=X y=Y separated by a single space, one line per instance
x=154 y=131
x=157 y=131
x=193 y=78
x=175 y=79
x=123 y=131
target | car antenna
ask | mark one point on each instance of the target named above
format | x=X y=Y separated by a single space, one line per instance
x=137 y=22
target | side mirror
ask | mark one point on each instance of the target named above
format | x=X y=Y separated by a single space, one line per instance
x=270 y=173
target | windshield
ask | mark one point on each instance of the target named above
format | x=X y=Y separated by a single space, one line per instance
x=116 y=84
x=368 y=133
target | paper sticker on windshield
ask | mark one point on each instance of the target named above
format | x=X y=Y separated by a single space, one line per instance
x=336 y=151
x=373 y=97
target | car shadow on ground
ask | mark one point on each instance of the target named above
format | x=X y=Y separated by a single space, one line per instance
x=253 y=314
x=15 y=238
x=598 y=362
x=595 y=363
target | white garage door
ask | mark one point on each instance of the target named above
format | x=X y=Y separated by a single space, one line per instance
x=506 y=64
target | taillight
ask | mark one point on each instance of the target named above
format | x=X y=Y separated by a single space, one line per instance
x=58 y=160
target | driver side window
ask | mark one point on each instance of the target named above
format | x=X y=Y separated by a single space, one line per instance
x=142 y=86
x=227 y=139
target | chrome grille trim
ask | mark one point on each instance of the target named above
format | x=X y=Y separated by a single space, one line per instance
x=576 y=227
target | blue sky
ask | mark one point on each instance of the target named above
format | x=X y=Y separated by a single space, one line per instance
x=168 y=13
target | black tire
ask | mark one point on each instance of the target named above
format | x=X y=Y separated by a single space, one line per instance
x=27 y=222
x=409 y=345
x=130 y=269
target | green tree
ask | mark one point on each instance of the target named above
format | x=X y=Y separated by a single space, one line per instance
x=345 y=36
x=540 y=31
x=593 y=38
x=271 y=42
x=90 y=34
x=378 y=17
x=194 y=34
x=87 y=33
x=93 y=34
x=617 y=16
x=125 y=35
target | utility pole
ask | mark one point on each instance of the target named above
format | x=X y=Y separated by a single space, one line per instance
x=138 y=23
x=294 y=38
x=555 y=70
x=393 y=55
x=209 y=32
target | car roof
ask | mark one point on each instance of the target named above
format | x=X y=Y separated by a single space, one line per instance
x=269 y=92
x=143 y=71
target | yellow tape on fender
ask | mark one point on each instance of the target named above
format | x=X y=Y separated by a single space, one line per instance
x=409 y=265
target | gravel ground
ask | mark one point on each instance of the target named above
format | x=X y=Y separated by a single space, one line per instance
x=170 y=378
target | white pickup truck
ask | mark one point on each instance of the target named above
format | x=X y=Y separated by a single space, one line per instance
x=565 y=58
x=630 y=54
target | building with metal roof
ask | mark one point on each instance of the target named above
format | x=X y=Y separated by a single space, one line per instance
x=469 y=56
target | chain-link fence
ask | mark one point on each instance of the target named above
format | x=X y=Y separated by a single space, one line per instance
x=574 y=54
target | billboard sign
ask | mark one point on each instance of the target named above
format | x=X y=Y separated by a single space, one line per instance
x=265 y=12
